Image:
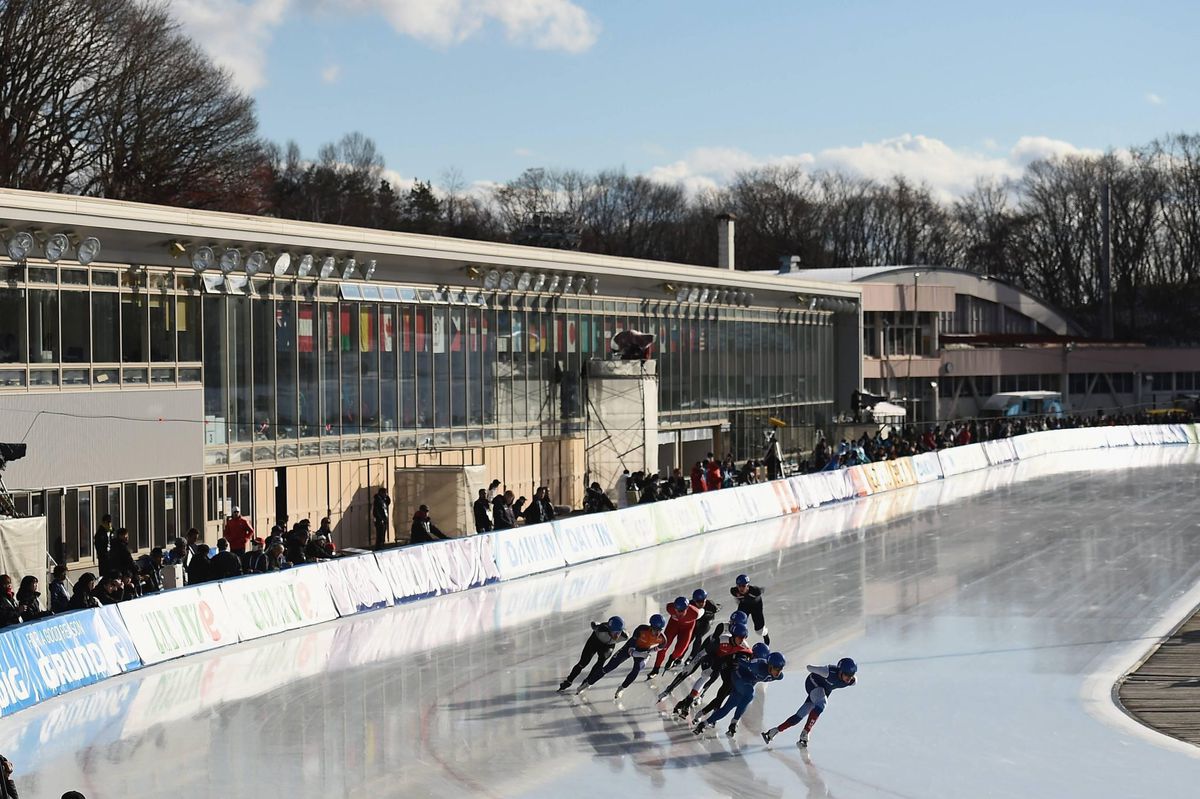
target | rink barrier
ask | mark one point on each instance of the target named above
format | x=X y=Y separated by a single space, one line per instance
x=43 y=659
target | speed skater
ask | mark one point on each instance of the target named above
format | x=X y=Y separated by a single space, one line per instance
x=646 y=638
x=707 y=652
x=821 y=680
x=718 y=662
x=683 y=617
x=704 y=624
x=749 y=599
x=599 y=645
x=746 y=675
x=725 y=668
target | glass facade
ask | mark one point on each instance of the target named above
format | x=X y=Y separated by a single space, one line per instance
x=303 y=369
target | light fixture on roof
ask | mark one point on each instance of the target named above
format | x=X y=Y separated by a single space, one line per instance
x=474 y=272
x=369 y=269
x=508 y=281
x=523 y=281
x=175 y=248
x=580 y=284
x=88 y=250
x=681 y=294
x=568 y=284
x=56 y=246
x=749 y=299
x=305 y=266
x=281 y=264
x=694 y=294
x=255 y=262
x=703 y=295
x=348 y=266
x=491 y=281
x=594 y=285
x=203 y=258
x=19 y=245
x=328 y=263
x=231 y=259
x=554 y=281
x=540 y=282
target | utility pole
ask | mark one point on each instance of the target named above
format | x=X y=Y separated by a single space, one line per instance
x=1106 y=301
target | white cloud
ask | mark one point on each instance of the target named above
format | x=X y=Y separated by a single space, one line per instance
x=331 y=73
x=237 y=33
x=1154 y=99
x=523 y=152
x=949 y=172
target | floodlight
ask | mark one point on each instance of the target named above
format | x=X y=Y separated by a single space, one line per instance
x=694 y=294
x=20 y=244
x=703 y=295
x=474 y=272
x=554 y=281
x=231 y=259
x=176 y=248
x=88 y=250
x=594 y=285
x=491 y=281
x=508 y=281
x=57 y=246
x=580 y=284
x=681 y=294
x=348 y=268
x=306 y=265
x=749 y=299
x=369 y=269
x=523 y=281
x=327 y=265
x=282 y=263
x=540 y=282
x=203 y=258
x=255 y=262
x=568 y=284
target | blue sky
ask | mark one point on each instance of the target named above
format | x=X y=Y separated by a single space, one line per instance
x=692 y=91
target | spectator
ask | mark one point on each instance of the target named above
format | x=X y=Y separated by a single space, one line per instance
x=319 y=548
x=773 y=458
x=151 y=569
x=237 y=531
x=130 y=586
x=541 y=509
x=712 y=473
x=380 y=511
x=678 y=483
x=120 y=559
x=108 y=591
x=483 y=522
x=103 y=542
x=225 y=563
x=73 y=795
x=423 y=528
x=595 y=500
x=83 y=596
x=326 y=529
x=494 y=490
x=296 y=542
x=280 y=527
x=10 y=612
x=698 y=485
x=193 y=540
x=201 y=569
x=649 y=489
x=29 y=599
x=503 y=515
x=181 y=554
x=276 y=559
x=256 y=561
x=60 y=590
x=8 y=788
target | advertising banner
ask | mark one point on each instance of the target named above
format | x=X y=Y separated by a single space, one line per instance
x=587 y=537
x=411 y=572
x=179 y=622
x=527 y=550
x=278 y=601
x=469 y=562
x=634 y=527
x=356 y=584
x=927 y=466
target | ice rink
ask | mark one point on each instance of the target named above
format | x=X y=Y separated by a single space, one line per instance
x=989 y=613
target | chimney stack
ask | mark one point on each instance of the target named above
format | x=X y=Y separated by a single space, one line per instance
x=725 y=241
x=788 y=264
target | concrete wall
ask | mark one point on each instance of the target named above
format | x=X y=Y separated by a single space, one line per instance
x=103 y=436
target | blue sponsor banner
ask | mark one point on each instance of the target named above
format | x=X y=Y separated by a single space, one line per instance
x=46 y=658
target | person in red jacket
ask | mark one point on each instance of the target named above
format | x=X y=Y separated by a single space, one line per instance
x=697 y=475
x=683 y=617
x=237 y=532
x=712 y=473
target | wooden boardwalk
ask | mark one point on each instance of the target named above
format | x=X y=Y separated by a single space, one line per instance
x=1164 y=692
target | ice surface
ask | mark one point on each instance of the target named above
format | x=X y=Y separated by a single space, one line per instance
x=979 y=624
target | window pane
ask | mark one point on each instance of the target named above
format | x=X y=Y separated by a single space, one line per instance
x=423 y=343
x=162 y=328
x=285 y=370
x=407 y=376
x=133 y=328
x=264 y=323
x=458 y=367
x=43 y=326
x=367 y=344
x=105 y=326
x=441 y=366
x=349 y=342
x=214 y=364
x=307 y=356
x=330 y=392
x=238 y=353
x=12 y=325
x=389 y=394
x=76 y=327
x=187 y=320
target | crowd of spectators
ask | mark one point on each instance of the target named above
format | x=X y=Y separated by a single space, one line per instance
x=499 y=508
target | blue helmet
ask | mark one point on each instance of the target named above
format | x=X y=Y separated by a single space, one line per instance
x=699 y=595
x=658 y=622
x=742 y=580
x=761 y=650
x=776 y=660
x=739 y=631
x=616 y=624
x=738 y=617
x=680 y=603
x=847 y=666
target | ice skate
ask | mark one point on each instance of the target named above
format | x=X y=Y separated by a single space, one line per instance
x=563 y=686
x=803 y=742
x=662 y=697
x=770 y=734
x=617 y=695
x=653 y=673
x=732 y=731
x=583 y=686
x=700 y=727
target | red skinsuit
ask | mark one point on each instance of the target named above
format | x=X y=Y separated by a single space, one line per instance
x=679 y=628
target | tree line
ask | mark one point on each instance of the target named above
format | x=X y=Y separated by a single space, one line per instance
x=128 y=107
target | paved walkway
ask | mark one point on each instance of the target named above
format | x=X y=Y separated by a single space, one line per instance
x=1164 y=692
